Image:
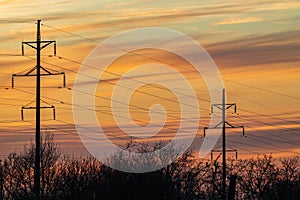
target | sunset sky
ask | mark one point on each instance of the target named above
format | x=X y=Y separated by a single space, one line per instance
x=255 y=44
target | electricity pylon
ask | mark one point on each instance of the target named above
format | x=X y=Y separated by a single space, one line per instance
x=223 y=125
x=38 y=71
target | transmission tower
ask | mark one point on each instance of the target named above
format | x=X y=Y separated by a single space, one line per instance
x=38 y=71
x=223 y=125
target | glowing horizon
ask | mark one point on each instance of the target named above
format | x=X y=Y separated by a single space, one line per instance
x=255 y=46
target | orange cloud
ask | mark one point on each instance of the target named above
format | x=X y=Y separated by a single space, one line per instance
x=238 y=21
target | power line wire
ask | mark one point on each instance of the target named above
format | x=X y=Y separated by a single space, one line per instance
x=263 y=147
x=260 y=113
x=100 y=111
x=258 y=103
x=146 y=93
x=272 y=125
x=238 y=83
x=267 y=132
x=209 y=101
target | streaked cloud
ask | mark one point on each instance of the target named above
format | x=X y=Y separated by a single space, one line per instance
x=238 y=21
x=279 y=5
x=257 y=49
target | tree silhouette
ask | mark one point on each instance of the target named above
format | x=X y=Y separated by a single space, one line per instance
x=187 y=178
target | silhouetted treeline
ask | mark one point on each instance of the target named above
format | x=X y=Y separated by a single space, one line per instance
x=187 y=178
